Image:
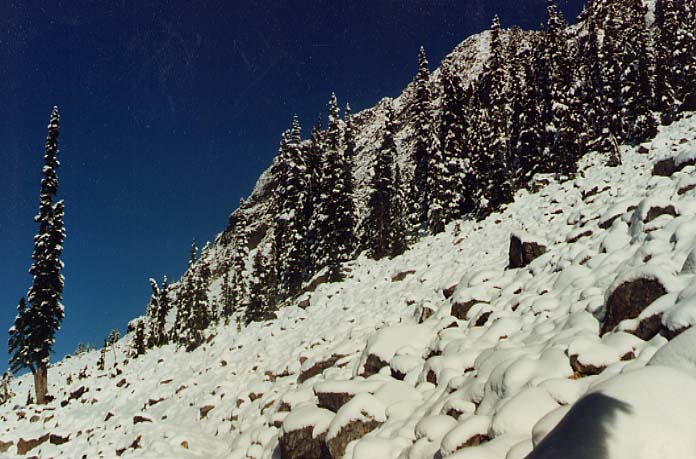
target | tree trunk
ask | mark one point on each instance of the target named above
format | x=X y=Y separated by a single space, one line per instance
x=41 y=383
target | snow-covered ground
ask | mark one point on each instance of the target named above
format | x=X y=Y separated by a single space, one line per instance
x=525 y=365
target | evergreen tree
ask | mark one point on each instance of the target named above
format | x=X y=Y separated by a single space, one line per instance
x=526 y=130
x=260 y=305
x=638 y=82
x=241 y=254
x=5 y=391
x=399 y=213
x=114 y=336
x=493 y=172
x=138 y=345
x=378 y=223
x=446 y=171
x=335 y=212
x=101 y=363
x=565 y=130
x=192 y=308
x=39 y=322
x=290 y=226
x=313 y=154
x=676 y=56
x=151 y=314
x=424 y=148
x=157 y=312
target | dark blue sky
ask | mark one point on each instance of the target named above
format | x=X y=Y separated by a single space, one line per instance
x=170 y=110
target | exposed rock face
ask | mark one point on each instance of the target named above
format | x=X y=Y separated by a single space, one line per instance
x=649 y=327
x=5 y=445
x=664 y=168
x=204 y=410
x=373 y=365
x=582 y=369
x=78 y=393
x=58 y=440
x=522 y=253
x=299 y=444
x=629 y=299
x=460 y=310
x=139 y=419
x=318 y=368
x=655 y=212
x=333 y=400
x=351 y=431
x=476 y=440
x=24 y=446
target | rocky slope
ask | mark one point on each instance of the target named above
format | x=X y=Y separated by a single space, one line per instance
x=459 y=348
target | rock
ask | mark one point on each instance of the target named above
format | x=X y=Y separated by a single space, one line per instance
x=58 y=440
x=686 y=189
x=354 y=430
x=476 y=440
x=648 y=328
x=300 y=444
x=593 y=192
x=656 y=211
x=460 y=310
x=35 y=418
x=522 y=253
x=78 y=393
x=333 y=401
x=373 y=365
x=204 y=410
x=643 y=149
x=136 y=442
x=664 y=168
x=139 y=419
x=109 y=415
x=449 y=291
x=304 y=302
x=482 y=319
x=5 y=445
x=121 y=383
x=185 y=444
x=575 y=236
x=629 y=299
x=318 y=368
x=402 y=275
x=153 y=401
x=582 y=369
x=24 y=446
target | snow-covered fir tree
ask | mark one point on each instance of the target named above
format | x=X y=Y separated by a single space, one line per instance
x=378 y=225
x=425 y=147
x=335 y=214
x=41 y=320
x=290 y=225
x=676 y=57
x=239 y=261
x=138 y=344
x=261 y=306
x=157 y=312
x=5 y=390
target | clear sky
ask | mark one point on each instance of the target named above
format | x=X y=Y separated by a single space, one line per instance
x=170 y=111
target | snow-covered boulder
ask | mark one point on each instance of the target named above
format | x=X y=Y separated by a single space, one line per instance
x=644 y=413
x=524 y=248
x=303 y=431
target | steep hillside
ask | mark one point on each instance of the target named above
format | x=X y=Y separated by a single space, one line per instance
x=458 y=348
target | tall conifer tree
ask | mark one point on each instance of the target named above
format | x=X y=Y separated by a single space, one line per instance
x=32 y=342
